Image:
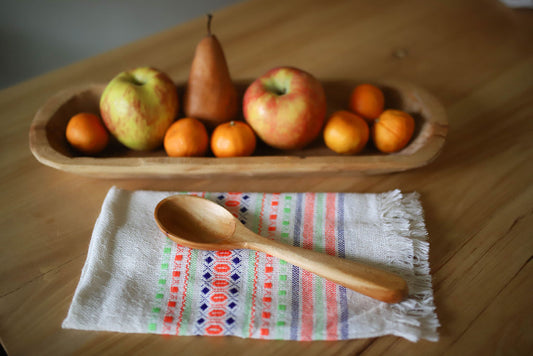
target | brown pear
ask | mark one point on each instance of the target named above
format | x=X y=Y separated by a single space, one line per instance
x=210 y=94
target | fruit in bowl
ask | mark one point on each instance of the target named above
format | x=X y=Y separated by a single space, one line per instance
x=49 y=146
x=187 y=137
x=392 y=130
x=286 y=107
x=233 y=139
x=86 y=133
x=346 y=133
x=210 y=95
x=367 y=101
x=138 y=106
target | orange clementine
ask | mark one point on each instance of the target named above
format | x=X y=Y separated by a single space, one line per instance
x=345 y=132
x=86 y=133
x=187 y=137
x=367 y=101
x=233 y=139
x=393 y=130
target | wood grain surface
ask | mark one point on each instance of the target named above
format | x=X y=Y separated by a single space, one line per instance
x=475 y=56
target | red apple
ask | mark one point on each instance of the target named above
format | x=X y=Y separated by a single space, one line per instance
x=138 y=106
x=286 y=107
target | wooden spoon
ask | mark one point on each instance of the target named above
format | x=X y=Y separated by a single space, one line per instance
x=202 y=224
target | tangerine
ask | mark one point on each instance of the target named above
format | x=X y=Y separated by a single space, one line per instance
x=187 y=137
x=393 y=130
x=346 y=132
x=233 y=139
x=86 y=133
x=367 y=101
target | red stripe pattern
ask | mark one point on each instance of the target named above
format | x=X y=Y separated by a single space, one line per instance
x=307 y=277
x=268 y=271
x=331 y=288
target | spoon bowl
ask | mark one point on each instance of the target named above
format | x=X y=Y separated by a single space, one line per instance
x=202 y=224
x=196 y=223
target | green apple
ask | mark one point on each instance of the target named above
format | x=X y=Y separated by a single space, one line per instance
x=138 y=106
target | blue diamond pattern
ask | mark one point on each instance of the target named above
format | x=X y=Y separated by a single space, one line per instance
x=235 y=260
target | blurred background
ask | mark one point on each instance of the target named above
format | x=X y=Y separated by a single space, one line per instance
x=37 y=36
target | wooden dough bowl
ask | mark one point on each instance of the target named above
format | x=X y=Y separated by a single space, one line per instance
x=48 y=143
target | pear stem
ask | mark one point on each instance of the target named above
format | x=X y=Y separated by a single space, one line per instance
x=209 y=17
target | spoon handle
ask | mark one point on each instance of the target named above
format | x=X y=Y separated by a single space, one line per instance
x=375 y=283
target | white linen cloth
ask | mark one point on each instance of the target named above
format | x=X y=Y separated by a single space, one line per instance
x=136 y=280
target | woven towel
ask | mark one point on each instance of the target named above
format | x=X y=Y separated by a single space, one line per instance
x=136 y=280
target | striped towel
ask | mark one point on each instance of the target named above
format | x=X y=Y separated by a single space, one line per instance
x=136 y=280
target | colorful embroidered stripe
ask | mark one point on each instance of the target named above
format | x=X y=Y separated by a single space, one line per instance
x=157 y=307
x=171 y=305
x=185 y=288
x=176 y=303
x=268 y=283
x=331 y=288
x=185 y=325
x=259 y=211
x=295 y=302
x=249 y=294
x=343 y=301
x=283 y=283
x=319 y=288
x=307 y=277
x=220 y=282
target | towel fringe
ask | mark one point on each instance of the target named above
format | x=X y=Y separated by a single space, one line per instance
x=402 y=218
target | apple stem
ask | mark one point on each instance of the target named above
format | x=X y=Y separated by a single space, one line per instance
x=209 y=17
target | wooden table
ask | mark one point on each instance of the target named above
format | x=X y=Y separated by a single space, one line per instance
x=475 y=56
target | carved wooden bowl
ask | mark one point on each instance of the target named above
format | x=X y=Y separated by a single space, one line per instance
x=48 y=143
